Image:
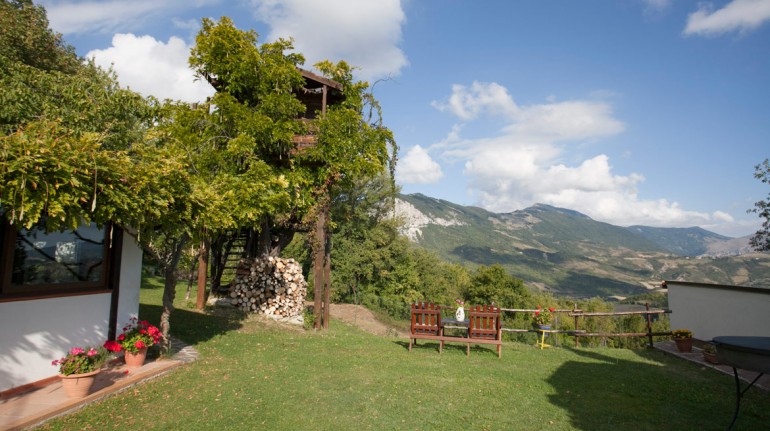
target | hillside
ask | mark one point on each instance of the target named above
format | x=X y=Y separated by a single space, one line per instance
x=568 y=253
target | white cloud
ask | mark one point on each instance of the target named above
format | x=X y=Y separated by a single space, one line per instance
x=723 y=217
x=364 y=33
x=152 y=67
x=568 y=120
x=553 y=121
x=523 y=164
x=70 y=17
x=417 y=167
x=468 y=103
x=81 y=17
x=738 y=15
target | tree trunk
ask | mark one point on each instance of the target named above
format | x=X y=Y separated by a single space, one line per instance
x=193 y=268
x=169 y=288
x=203 y=264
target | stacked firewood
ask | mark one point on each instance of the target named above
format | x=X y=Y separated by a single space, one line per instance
x=273 y=286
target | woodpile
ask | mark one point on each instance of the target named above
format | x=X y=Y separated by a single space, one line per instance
x=273 y=286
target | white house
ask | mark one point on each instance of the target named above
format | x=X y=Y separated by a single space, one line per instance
x=61 y=290
x=711 y=310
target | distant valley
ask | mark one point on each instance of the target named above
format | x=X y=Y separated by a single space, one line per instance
x=568 y=253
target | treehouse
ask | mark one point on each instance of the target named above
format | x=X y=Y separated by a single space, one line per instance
x=317 y=93
x=227 y=251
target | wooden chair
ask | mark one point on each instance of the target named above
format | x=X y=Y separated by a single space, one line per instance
x=426 y=323
x=485 y=327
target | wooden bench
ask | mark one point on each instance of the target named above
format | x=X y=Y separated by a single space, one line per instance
x=426 y=323
x=484 y=326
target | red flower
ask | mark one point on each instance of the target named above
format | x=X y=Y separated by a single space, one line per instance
x=139 y=344
x=537 y=313
x=112 y=346
x=121 y=337
x=551 y=309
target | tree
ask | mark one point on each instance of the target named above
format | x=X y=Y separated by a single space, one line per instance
x=254 y=120
x=492 y=285
x=761 y=239
x=26 y=38
x=72 y=139
x=77 y=148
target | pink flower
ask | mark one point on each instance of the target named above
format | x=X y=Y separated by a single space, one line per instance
x=77 y=351
x=92 y=352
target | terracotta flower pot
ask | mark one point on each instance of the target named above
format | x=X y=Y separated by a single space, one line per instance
x=684 y=345
x=78 y=385
x=134 y=360
x=710 y=357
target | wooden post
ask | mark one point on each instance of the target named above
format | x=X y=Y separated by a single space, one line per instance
x=324 y=90
x=577 y=337
x=322 y=269
x=327 y=279
x=203 y=264
x=318 y=268
x=649 y=324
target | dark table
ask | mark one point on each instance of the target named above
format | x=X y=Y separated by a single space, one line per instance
x=747 y=353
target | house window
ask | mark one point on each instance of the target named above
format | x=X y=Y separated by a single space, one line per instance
x=37 y=262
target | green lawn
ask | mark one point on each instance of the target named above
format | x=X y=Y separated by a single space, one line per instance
x=254 y=374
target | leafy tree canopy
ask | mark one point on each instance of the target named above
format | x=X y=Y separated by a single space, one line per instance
x=761 y=239
x=73 y=142
x=249 y=124
x=492 y=285
x=26 y=38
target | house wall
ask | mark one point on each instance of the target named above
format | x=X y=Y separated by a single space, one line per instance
x=712 y=310
x=130 y=281
x=35 y=332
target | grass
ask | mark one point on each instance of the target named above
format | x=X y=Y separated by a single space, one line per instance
x=256 y=374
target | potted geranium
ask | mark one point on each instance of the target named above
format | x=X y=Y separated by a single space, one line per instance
x=710 y=353
x=136 y=338
x=542 y=318
x=78 y=369
x=683 y=340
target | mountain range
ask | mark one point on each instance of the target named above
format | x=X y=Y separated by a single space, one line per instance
x=568 y=253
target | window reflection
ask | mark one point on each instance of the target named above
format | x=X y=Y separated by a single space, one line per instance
x=58 y=257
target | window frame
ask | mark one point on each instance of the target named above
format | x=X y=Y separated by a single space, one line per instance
x=10 y=292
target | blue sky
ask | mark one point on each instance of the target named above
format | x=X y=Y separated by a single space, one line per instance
x=648 y=112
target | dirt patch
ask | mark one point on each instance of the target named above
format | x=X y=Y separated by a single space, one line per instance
x=363 y=318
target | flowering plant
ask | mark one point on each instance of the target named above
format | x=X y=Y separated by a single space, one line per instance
x=136 y=336
x=542 y=317
x=460 y=302
x=81 y=360
x=681 y=334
